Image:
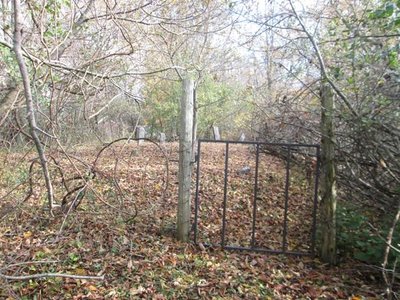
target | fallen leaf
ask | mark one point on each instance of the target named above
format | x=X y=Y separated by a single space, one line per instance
x=201 y=246
x=125 y=240
x=80 y=271
x=130 y=264
x=92 y=288
x=27 y=234
x=137 y=291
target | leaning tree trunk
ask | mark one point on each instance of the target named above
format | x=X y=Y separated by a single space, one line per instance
x=328 y=180
x=29 y=100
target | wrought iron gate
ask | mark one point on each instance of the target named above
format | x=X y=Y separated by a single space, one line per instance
x=289 y=152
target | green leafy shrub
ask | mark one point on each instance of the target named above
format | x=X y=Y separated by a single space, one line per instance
x=356 y=238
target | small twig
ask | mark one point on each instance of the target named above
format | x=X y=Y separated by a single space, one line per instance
x=383 y=238
x=81 y=190
x=45 y=133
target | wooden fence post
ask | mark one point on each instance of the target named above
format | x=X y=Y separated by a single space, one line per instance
x=328 y=177
x=185 y=157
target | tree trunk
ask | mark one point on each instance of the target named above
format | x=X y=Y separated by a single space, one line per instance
x=328 y=177
x=185 y=158
x=29 y=101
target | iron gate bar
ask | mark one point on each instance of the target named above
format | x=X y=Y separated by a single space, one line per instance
x=253 y=230
x=287 y=146
x=196 y=203
x=225 y=194
x=285 y=217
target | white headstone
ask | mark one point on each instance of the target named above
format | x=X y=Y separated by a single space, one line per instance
x=242 y=137
x=147 y=132
x=244 y=171
x=162 y=138
x=140 y=134
x=217 y=136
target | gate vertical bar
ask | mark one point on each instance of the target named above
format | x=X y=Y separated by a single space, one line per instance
x=314 y=216
x=253 y=230
x=225 y=192
x=285 y=220
x=196 y=201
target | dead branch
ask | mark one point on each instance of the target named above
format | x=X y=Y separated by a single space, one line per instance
x=115 y=182
x=50 y=275
x=73 y=205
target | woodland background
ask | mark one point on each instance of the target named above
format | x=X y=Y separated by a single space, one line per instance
x=100 y=68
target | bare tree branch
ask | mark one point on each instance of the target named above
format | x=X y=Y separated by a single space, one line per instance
x=322 y=62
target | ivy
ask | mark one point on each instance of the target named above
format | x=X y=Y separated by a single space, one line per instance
x=385 y=11
x=8 y=58
x=393 y=60
x=388 y=11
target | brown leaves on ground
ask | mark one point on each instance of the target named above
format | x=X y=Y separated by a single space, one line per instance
x=140 y=257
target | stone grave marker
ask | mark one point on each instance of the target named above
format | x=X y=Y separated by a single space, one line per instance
x=162 y=138
x=140 y=134
x=217 y=136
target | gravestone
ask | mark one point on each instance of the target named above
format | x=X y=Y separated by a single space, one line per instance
x=242 y=137
x=162 y=138
x=217 y=136
x=140 y=134
x=244 y=171
x=148 y=132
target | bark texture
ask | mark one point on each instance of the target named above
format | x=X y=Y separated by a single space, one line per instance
x=185 y=158
x=328 y=177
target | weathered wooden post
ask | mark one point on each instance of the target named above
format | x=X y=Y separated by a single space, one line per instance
x=328 y=177
x=185 y=157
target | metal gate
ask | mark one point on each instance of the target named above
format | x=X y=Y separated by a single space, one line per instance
x=288 y=153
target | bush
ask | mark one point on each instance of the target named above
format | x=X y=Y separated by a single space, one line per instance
x=356 y=238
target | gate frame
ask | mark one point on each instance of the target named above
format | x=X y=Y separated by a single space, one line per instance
x=252 y=248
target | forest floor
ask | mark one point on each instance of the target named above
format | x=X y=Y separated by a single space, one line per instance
x=123 y=228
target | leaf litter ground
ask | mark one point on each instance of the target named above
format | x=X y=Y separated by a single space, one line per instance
x=124 y=229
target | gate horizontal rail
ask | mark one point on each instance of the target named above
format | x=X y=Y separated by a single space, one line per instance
x=255 y=143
